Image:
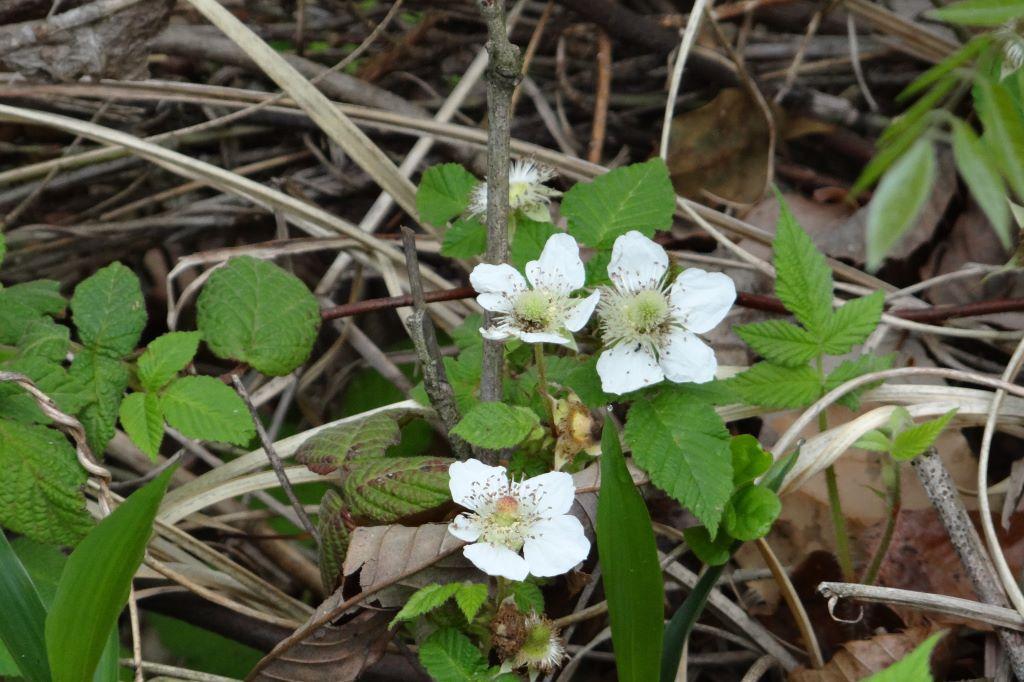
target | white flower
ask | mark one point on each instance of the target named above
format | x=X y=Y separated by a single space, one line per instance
x=544 y=313
x=508 y=517
x=649 y=328
x=526 y=191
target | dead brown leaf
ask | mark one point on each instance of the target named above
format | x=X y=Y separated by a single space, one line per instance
x=331 y=652
x=861 y=658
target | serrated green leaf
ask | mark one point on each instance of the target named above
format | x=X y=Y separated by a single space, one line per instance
x=751 y=513
x=528 y=241
x=853 y=323
x=683 y=445
x=50 y=378
x=771 y=385
x=910 y=443
x=332 y=448
x=467 y=334
x=109 y=311
x=914 y=667
x=629 y=562
x=41 y=295
x=165 y=356
x=467 y=237
x=252 y=310
x=496 y=425
x=425 y=600
x=712 y=551
x=15 y=317
x=390 y=488
x=979 y=171
x=898 y=200
x=749 y=459
x=597 y=268
x=22 y=629
x=851 y=369
x=780 y=342
x=204 y=408
x=979 y=12
x=44 y=338
x=1004 y=130
x=471 y=597
x=143 y=421
x=96 y=581
x=334 y=539
x=40 y=490
x=449 y=656
x=635 y=197
x=103 y=381
x=527 y=596
x=803 y=280
x=443 y=193
x=874 y=441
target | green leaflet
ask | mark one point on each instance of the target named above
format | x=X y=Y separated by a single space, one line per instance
x=43 y=338
x=387 y=489
x=253 y=311
x=914 y=667
x=334 y=539
x=331 y=449
x=1004 y=130
x=104 y=381
x=636 y=197
x=780 y=342
x=202 y=407
x=496 y=425
x=852 y=323
x=469 y=597
x=851 y=369
x=24 y=619
x=777 y=386
x=751 y=512
x=683 y=444
x=165 y=356
x=979 y=171
x=749 y=459
x=898 y=200
x=528 y=597
x=980 y=12
x=443 y=193
x=712 y=551
x=109 y=311
x=143 y=421
x=40 y=490
x=95 y=584
x=913 y=441
x=449 y=656
x=629 y=562
x=528 y=241
x=41 y=295
x=803 y=279
x=467 y=237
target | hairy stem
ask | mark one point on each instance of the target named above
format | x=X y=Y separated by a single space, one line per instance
x=835 y=505
x=503 y=73
x=895 y=502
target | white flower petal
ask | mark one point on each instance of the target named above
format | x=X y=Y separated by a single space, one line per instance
x=550 y=494
x=559 y=267
x=702 y=299
x=543 y=337
x=472 y=481
x=465 y=527
x=687 y=358
x=496 y=303
x=637 y=262
x=539 y=212
x=555 y=546
x=581 y=312
x=502 y=279
x=627 y=367
x=499 y=333
x=495 y=560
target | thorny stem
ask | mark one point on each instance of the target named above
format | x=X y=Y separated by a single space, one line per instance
x=835 y=504
x=503 y=73
x=895 y=502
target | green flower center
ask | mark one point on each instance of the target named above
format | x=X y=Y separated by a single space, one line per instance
x=646 y=312
x=533 y=310
x=538 y=643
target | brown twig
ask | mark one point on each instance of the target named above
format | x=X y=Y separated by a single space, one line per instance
x=275 y=461
x=941 y=490
x=602 y=95
x=421 y=329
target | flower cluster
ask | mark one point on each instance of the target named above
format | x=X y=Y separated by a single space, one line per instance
x=649 y=326
x=527 y=193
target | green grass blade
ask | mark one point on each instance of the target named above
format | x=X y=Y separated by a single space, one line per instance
x=24 y=616
x=95 y=584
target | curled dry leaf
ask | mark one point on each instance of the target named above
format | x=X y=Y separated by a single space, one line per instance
x=329 y=449
x=862 y=658
x=339 y=653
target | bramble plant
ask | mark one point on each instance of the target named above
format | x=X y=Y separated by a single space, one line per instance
x=621 y=329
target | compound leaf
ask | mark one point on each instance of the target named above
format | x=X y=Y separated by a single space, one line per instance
x=109 y=311
x=202 y=407
x=387 y=489
x=443 y=193
x=165 y=356
x=803 y=280
x=496 y=425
